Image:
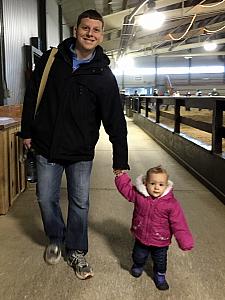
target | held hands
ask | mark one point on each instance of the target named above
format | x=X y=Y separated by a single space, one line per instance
x=27 y=143
x=118 y=172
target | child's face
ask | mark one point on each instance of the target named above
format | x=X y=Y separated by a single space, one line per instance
x=156 y=184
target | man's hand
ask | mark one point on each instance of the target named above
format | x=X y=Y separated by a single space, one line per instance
x=27 y=143
x=118 y=172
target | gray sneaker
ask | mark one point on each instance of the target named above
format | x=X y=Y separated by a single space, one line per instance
x=81 y=267
x=52 y=254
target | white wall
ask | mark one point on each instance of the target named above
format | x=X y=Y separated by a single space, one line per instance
x=66 y=30
x=203 y=81
x=20 y=23
x=52 y=23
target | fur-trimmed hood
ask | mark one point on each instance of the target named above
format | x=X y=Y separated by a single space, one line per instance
x=143 y=190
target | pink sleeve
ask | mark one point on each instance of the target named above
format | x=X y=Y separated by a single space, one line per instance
x=125 y=187
x=180 y=228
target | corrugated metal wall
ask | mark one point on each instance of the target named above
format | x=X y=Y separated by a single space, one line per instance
x=20 y=23
x=52 y=22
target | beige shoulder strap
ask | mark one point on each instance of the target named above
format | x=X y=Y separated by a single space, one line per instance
x=45 y=76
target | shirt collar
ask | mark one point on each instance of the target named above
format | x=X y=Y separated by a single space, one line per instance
x=86 y=60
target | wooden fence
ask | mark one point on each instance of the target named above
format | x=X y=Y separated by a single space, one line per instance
x=207 y=163
x=216 y=104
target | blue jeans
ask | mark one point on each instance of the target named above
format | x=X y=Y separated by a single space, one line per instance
x=75 y=233
x=159 y=256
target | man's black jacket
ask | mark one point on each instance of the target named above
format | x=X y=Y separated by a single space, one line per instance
x=67 y=122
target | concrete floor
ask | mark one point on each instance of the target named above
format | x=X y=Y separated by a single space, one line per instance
x=199 y=274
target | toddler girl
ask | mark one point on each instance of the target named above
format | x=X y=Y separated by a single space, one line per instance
x=157 y=216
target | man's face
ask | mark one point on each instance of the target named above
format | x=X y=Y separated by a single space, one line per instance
x=89 y=34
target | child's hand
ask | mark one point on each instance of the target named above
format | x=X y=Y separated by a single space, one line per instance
x=187 y=249
x=118 y=172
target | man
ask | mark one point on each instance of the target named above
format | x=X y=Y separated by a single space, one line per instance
x=80 y=93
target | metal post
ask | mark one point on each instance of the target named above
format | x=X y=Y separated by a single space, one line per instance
x=156 y=71
x=123 y=87
x=146 y=107
x=42 y=24
x=177 y=116
x=189 y=69
x=157 y=109
x=217 y=123
x=60 y=23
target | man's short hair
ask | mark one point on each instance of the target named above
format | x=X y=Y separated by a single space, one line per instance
x=91 y=14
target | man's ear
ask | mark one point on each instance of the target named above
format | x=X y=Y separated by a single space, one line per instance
x=101 y=40
x=74 y=31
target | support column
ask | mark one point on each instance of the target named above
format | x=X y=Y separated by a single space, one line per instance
x=60 y=23
x=156 y=71
x=42 y=24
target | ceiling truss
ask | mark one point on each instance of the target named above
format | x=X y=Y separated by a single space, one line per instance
x=123 y=35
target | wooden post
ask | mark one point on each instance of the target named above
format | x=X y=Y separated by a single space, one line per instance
x=146 y=107
x=177 y=116
x=157 y=112
x=217 y=123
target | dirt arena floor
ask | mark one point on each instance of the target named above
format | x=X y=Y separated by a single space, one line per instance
x=203 y=115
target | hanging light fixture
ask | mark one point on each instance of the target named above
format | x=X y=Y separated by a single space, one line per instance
x=210 y=46
x=153 y=19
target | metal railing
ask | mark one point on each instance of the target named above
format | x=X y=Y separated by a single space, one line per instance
x=146 y=104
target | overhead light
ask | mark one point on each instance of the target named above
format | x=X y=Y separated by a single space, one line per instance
x=210 y=46
x=152 y=20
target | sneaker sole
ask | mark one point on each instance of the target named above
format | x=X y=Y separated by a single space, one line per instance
x=85 y=276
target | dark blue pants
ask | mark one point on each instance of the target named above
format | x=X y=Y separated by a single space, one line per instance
x=159 y=256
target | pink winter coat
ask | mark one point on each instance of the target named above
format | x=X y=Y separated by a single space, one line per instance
x=155 y=220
